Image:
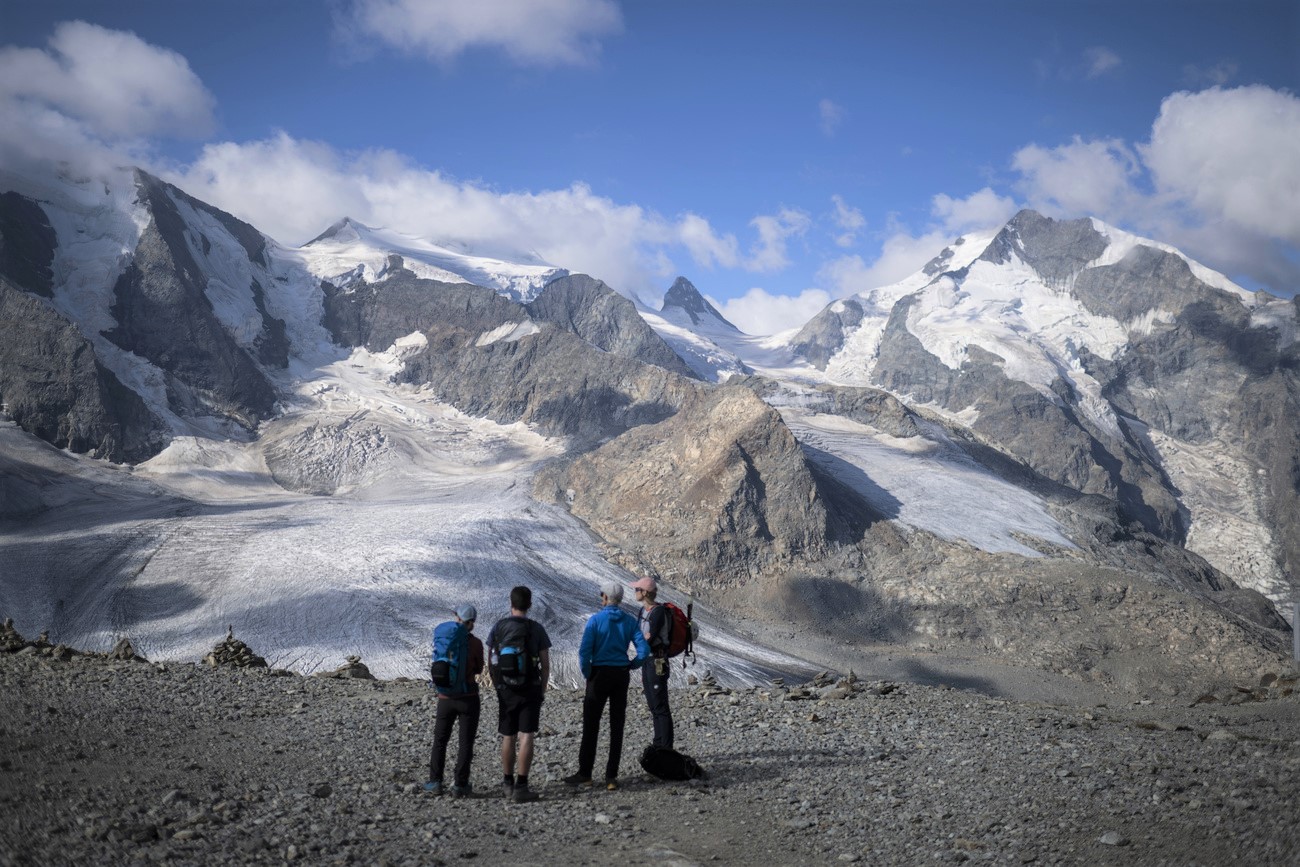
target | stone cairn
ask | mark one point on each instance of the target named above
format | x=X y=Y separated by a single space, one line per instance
x=10 y=639
x=354 y=668
x=233 y=652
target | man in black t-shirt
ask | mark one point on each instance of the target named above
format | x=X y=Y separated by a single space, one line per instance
x=520 y=654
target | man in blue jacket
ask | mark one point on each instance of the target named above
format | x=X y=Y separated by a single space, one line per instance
x=603 y=657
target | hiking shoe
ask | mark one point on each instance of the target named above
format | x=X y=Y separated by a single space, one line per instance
x=507 y=790
x=523 y=794
x=433 y=787
x=611 y=784
x=462 y=791
x=578 y=780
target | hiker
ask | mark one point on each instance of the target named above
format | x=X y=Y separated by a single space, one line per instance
x=602 y=655
x=520 y=652
x=656 y=625
x=461 y=702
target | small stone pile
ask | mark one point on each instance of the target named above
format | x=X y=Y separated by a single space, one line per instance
x=354 y=668
x=125 y=652
x=10 y=639
x=233 y=652
x=1270 y=686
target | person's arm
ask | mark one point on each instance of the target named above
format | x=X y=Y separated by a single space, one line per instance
x=545 y=657
x=475 y=657
x=585 y=648
x=642 y=648
x=491 y=643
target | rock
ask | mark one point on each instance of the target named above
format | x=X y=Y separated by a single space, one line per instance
x=354 y=668
x=1113 y=838
x=233 y=652
x=10 y=640
x=125 y=652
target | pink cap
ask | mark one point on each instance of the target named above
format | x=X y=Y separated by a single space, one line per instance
x=645 y=584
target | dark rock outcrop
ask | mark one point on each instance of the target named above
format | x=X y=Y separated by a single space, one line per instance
x=608 y=321
x=683 y=296
x=164 y=315
x=27 y=244
x=54 y=387
x=823 y=335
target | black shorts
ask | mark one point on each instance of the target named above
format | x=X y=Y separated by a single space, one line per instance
x=518 y=711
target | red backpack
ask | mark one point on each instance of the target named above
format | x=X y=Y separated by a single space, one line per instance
x=682 y=632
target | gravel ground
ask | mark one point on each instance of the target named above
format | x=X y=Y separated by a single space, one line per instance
x=130 y=762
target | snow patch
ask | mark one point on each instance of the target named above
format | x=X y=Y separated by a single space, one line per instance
x=508 y=332
x=1121 y=243
x=929 y=483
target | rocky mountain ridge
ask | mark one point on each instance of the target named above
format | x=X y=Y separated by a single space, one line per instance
x=801 y=501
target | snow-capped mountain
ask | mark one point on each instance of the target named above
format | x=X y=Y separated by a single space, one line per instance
x=1109 y=363
x=349 y=251
x=329 y=446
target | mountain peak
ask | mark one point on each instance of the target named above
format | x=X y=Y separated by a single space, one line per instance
x=683 y=296
x=346 y=229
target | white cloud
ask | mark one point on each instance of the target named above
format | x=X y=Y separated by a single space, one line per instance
x=706 y=247
x=316 y=185
x=1100 y=60
x=832 y=115
x=93 y=98
x=901 y=254
x=1219 y=178
x=769 y=252
x=530 y=32
x=984 y=209
x=759 y=312
x=1094 y=178
x=1231 y=154
x=849 y=220
x=114 y=84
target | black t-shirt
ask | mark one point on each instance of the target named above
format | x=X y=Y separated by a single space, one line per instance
x=535 y=641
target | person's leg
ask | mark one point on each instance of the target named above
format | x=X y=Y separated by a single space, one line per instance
x=593 y=705
x=508 y=755
x=530 y=720
x=619 y=680
x=508 y=728
x=444 y=716
x=655 y=687
x=525 y=752
x=470 y=709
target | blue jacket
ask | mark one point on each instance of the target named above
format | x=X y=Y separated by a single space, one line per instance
x=604 y=642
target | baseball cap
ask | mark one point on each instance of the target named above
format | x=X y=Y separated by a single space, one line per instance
x=646 y=584
x=467 y=612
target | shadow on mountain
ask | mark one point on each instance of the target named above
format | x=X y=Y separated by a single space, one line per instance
x=853 y=500
x=918 y=672
x=133 y=605
x=853 y=613
x=598 y=412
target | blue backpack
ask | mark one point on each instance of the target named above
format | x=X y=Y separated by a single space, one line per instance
x=450 y=669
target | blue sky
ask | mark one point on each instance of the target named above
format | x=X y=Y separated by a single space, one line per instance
x=777 y=154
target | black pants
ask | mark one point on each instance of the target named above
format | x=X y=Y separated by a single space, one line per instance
x=466 y=709
x=607 y=683
x=655 y=687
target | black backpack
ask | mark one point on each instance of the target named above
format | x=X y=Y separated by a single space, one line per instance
x=668 y=764
x=512 y=664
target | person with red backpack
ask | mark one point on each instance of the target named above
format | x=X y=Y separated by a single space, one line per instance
x=656 y=624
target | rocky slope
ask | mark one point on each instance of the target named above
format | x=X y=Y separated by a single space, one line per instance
x=120 y=760
x=1107 y=363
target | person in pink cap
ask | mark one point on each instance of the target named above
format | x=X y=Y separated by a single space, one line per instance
x=656 y=625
